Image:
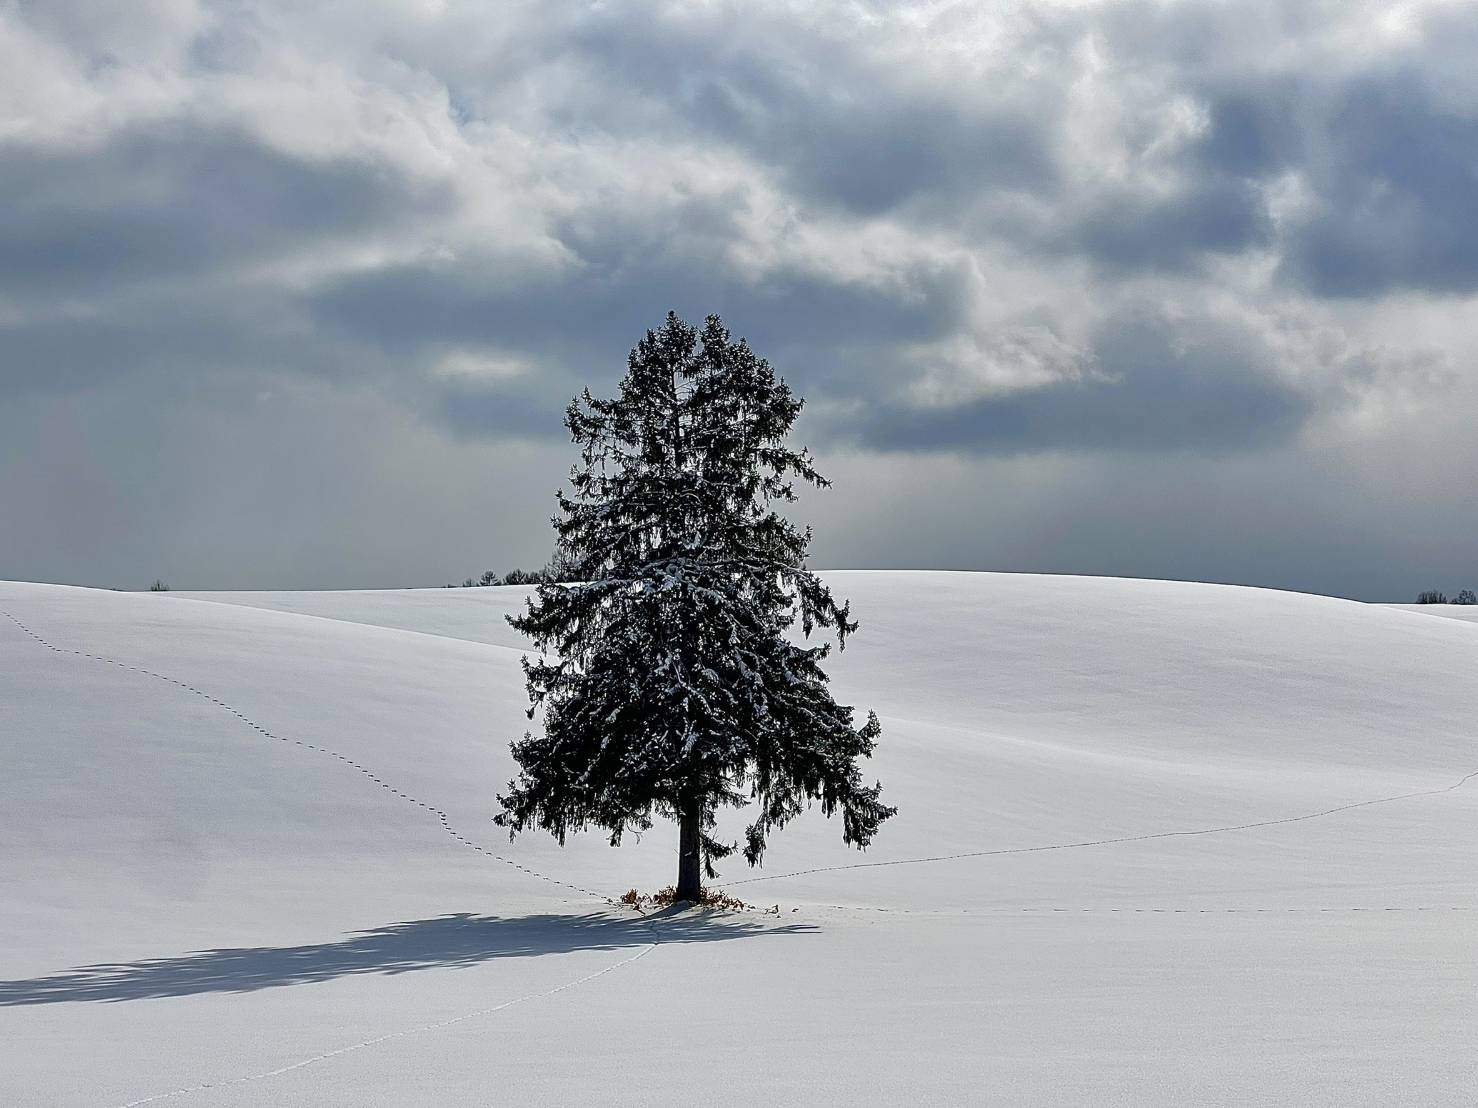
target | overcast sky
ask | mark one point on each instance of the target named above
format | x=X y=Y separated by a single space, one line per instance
x=293 y=295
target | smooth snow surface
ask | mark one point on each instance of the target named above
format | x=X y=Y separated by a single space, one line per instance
x=1157 y=843
x=1468 y=612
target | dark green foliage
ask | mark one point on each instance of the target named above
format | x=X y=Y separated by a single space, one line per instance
x=556 y=570
x=669 y=685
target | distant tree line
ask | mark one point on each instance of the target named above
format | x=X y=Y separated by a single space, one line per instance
x=557 y=571
x=1433 y=596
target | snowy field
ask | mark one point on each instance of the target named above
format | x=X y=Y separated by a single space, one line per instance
x=1468 y=612
x=1157 y=844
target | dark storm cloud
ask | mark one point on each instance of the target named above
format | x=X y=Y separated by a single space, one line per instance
x=1385 y=150
x=841 y=129
x=591 y=313
x=1128 y=233
x=178 y=340
x=578 y=329
x=133 y=257
x=866 y=152
x=1386 y=153
x=174 y=199
x=1251 y=134
x=577 y=326
x=1397 y=193
x=1158 y=386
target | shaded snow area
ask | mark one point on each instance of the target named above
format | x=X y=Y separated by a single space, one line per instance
x=1156 y=843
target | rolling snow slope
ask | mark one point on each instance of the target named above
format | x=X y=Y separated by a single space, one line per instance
x=1468 y=612
x=1157 y=843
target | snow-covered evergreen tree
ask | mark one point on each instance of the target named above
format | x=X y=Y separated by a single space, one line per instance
x=670 y=686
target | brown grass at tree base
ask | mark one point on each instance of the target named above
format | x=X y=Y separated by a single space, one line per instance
x=666 y=898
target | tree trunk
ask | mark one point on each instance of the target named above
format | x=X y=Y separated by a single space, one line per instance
x=689 y=872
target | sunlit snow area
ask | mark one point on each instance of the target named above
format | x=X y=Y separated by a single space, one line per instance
x=1156 y=843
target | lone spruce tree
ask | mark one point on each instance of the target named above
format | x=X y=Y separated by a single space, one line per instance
x=669 y=686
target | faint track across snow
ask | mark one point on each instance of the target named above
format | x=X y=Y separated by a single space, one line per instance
x=446 y=826
x=442 y=818
x=1101 y=911
x=1110 y=842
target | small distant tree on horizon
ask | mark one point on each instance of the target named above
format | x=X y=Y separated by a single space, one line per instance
x=556 y=569
x=1431 y=596
x=1467 y=596
x=158 y=586
x=669 y=686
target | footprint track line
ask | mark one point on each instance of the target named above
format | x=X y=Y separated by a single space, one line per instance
x=446 y=826
x=442 y=818
x=1110 y=842
x=1044 y=910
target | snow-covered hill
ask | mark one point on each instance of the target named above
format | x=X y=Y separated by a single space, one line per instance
x=1468 y=612
x=1157 y=843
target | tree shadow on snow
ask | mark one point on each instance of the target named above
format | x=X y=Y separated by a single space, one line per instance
x=455 y=940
